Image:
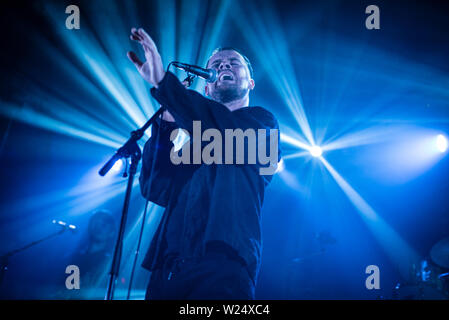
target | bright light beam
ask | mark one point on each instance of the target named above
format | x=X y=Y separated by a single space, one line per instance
x=31 y=117
x=441 y=143
x=298 y=154
x=315 y=151
x=262 y=29
x=214 y=30
x=399 y=252
x=294 y=142
x=366 y=136
x=90 y=53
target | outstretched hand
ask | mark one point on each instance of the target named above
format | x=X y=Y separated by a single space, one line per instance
x=152 y=70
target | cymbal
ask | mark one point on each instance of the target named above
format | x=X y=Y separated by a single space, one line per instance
x=440 y=253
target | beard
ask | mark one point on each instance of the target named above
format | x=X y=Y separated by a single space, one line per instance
x=228 y=94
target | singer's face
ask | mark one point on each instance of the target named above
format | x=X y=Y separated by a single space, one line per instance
x=233 y=77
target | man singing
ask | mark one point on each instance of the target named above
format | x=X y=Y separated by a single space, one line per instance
x=208 y=243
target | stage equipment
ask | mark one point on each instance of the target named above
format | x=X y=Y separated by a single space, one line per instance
x=131 y=150
x=4 y=259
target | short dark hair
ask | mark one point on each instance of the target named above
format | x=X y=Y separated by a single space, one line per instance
x=248 y=63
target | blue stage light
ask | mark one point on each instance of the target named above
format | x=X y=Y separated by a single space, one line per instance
x=316 y=151
x=441 y=143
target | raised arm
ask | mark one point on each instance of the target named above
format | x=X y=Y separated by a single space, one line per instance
x=184 y=105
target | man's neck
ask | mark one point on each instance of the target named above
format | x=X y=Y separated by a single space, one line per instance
x=237 y=104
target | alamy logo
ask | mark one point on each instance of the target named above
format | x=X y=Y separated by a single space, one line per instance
x=213 y=151
x=373 y=20
x=73 y=20
x=73 y=280
x=373 y=280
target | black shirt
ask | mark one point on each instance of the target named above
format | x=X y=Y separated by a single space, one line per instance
x=216 y=203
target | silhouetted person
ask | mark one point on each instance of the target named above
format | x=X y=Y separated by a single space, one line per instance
x=95 y=256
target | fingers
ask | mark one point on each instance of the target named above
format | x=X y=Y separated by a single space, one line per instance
x=147 y=39
x=141 y=36
x=134 y=59
x=144 y=39
x=135 y=35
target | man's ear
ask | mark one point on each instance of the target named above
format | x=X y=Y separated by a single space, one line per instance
x=206 y=90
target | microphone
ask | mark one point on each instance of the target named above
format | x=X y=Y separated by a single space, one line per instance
x=65 y=225
x=210 y=75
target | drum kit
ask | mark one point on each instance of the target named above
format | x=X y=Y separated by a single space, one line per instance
x=429 y=280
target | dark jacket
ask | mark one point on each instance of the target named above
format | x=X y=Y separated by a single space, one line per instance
x=204 y=203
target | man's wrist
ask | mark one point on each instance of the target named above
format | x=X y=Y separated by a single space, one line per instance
x=161 y=79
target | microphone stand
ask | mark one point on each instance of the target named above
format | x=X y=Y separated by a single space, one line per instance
x=129 y=150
